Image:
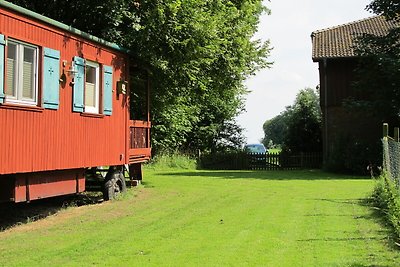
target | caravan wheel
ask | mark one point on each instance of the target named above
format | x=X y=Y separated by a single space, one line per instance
x=114 y=186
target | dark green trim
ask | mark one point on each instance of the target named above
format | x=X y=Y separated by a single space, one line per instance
x=62 y=26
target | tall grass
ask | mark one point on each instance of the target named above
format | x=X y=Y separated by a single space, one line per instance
x=172 y=161
x=386 y=197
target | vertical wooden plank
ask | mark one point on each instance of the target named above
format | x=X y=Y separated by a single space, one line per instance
x=396 y=134
x=13 y=137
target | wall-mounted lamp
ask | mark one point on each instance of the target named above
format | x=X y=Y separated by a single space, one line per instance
x=122 y=87
x=71 y=72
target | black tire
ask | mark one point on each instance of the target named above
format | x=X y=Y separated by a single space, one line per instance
x=122 y=182
x=114 y=186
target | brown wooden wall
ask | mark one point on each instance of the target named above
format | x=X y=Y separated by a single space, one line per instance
x=339 y=121
x=38 y=139
x=340 y=77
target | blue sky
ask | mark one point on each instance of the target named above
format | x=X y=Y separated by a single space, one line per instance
x=289 y=29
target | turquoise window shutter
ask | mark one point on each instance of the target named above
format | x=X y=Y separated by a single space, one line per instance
x=51 y=74
x=107 y=94
x=79 y=85
x=2 y=44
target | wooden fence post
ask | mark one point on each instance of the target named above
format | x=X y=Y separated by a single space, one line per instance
x=385 y=130
x=301 y=160
x=386 y=164
x=396 y=134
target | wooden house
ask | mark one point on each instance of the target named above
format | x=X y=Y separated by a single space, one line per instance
x=65 y=109
x=334 y=51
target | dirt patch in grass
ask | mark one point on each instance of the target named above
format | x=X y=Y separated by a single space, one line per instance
x=15 y=214
x=30 y=216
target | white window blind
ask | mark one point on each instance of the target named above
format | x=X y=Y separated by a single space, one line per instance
x=21 y=73
x=92 y=93
x=10 y=71
x=10 y=78
x=28 y=76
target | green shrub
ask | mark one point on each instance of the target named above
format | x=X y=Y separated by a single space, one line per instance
x=171 y=161
x=350 y=155
x=386 y=196
x=232 y=160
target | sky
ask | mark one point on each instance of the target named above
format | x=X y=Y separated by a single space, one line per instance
x=289 y=27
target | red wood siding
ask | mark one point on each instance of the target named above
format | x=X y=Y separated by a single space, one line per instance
x=139 y=148
x=37 y=139
x=48 y=184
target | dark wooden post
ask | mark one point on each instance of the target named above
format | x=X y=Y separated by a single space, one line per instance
x=301 y=160
x=135 y=171
x=396 y=134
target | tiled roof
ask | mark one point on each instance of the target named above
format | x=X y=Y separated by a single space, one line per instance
x=338 y=42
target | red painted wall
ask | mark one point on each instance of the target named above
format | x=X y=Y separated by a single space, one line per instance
x=32 y=186
x=33 y=140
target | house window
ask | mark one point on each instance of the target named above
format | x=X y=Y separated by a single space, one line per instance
x=92 y=81
x=21 y=73
x=87 y=87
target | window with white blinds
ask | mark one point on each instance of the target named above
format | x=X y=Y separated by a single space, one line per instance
x=92 y=81
x=11 y=70
x=21 y=73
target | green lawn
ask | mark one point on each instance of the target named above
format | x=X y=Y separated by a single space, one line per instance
x=274 y=150
x=204 y=218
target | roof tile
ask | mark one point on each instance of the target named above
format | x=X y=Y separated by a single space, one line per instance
x=338 y=41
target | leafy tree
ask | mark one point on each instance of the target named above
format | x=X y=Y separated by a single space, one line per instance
x=99 y=18
x=378 y=71
x=389 y=8
x=275 y=128
x=230 y=137
x=201 y=62
x=304 y=124
x=200 y=53
x=298 y=128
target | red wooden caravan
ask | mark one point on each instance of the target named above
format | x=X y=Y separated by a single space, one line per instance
x=68 y=105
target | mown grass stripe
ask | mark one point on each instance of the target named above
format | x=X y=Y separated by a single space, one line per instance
x=204 y=218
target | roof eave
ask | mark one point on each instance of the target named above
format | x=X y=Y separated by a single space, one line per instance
x=318 y=59
x=63 y=26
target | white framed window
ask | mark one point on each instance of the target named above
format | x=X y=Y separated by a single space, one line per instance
x=21 y=73
x=92 y=85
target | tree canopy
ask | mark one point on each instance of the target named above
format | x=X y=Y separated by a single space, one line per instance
x=388 y=8
x=304 y=124
x=378 y=72
x=200 y=53
x=275 y=129
x=298 y=127
x=204 y=52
